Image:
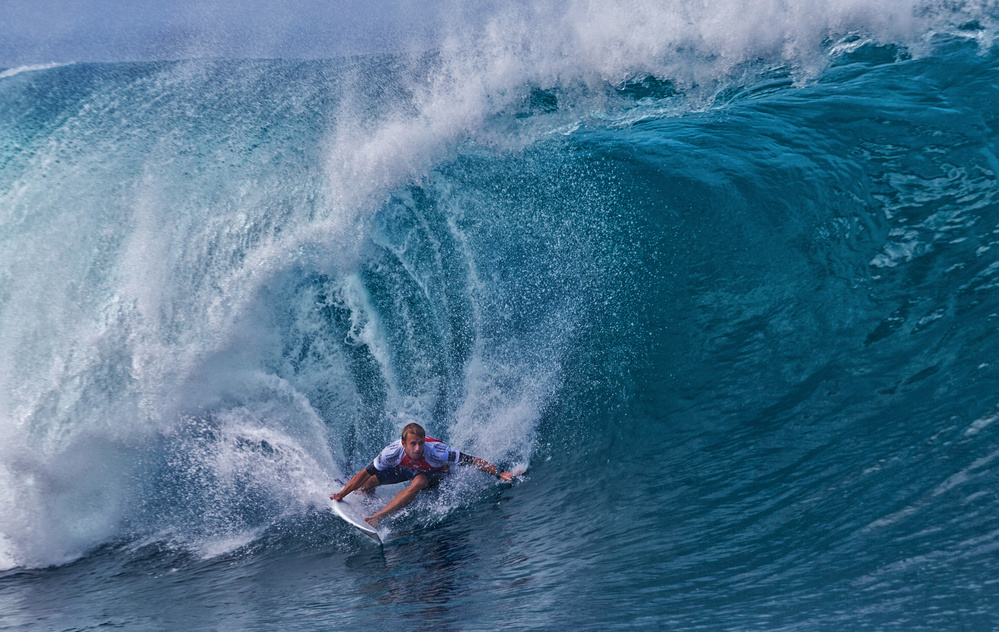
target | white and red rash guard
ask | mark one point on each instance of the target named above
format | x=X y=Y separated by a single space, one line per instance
x=437 y=456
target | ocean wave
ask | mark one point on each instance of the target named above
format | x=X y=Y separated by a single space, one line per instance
x=233 y=280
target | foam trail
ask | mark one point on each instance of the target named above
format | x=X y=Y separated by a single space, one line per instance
x=13 y=72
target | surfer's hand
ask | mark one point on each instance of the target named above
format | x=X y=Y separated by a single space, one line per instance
x=509 y=476
x=337 y=496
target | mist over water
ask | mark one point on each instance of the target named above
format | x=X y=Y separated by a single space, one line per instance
x=725 y=271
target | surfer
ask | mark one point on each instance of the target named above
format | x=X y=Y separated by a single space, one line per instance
x=417 y=458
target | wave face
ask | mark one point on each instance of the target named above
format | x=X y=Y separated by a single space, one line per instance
x=727 y=283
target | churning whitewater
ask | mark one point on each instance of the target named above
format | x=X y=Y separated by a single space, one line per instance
x=724 y=277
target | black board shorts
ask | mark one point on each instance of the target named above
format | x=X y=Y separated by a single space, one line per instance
x=399 y=474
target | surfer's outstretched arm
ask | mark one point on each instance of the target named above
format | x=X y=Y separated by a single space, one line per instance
x=485 y=466
x=360 y=480
x=419 y=483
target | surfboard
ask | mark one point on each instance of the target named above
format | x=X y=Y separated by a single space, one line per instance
x=354 y=507
x=352 y=510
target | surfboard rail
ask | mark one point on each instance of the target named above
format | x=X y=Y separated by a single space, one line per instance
x=352 y=510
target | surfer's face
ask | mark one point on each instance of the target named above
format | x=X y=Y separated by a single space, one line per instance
x=414 y=446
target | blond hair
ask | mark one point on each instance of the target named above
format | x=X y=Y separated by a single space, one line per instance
x=414 y=428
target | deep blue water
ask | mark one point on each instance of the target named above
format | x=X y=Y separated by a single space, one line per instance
x=740 y=322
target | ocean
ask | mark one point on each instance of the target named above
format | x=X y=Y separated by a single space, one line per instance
x=723 y=277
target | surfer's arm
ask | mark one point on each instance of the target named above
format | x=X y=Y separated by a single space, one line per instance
x=485 y=466
x=356 y=482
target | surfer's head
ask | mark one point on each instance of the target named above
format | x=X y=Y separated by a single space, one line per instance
x=413 y=428
x=413 y=439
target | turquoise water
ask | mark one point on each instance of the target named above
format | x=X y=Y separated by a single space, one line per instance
x=732 y=302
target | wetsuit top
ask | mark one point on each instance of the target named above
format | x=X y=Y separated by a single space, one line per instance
x=437 y=457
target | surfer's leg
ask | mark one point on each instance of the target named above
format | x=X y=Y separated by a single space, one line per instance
x=403 y=498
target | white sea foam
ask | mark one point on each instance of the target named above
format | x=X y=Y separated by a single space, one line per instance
x=11 y=72
x=980 y=424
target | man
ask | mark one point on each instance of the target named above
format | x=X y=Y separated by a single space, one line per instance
x=417 y=458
